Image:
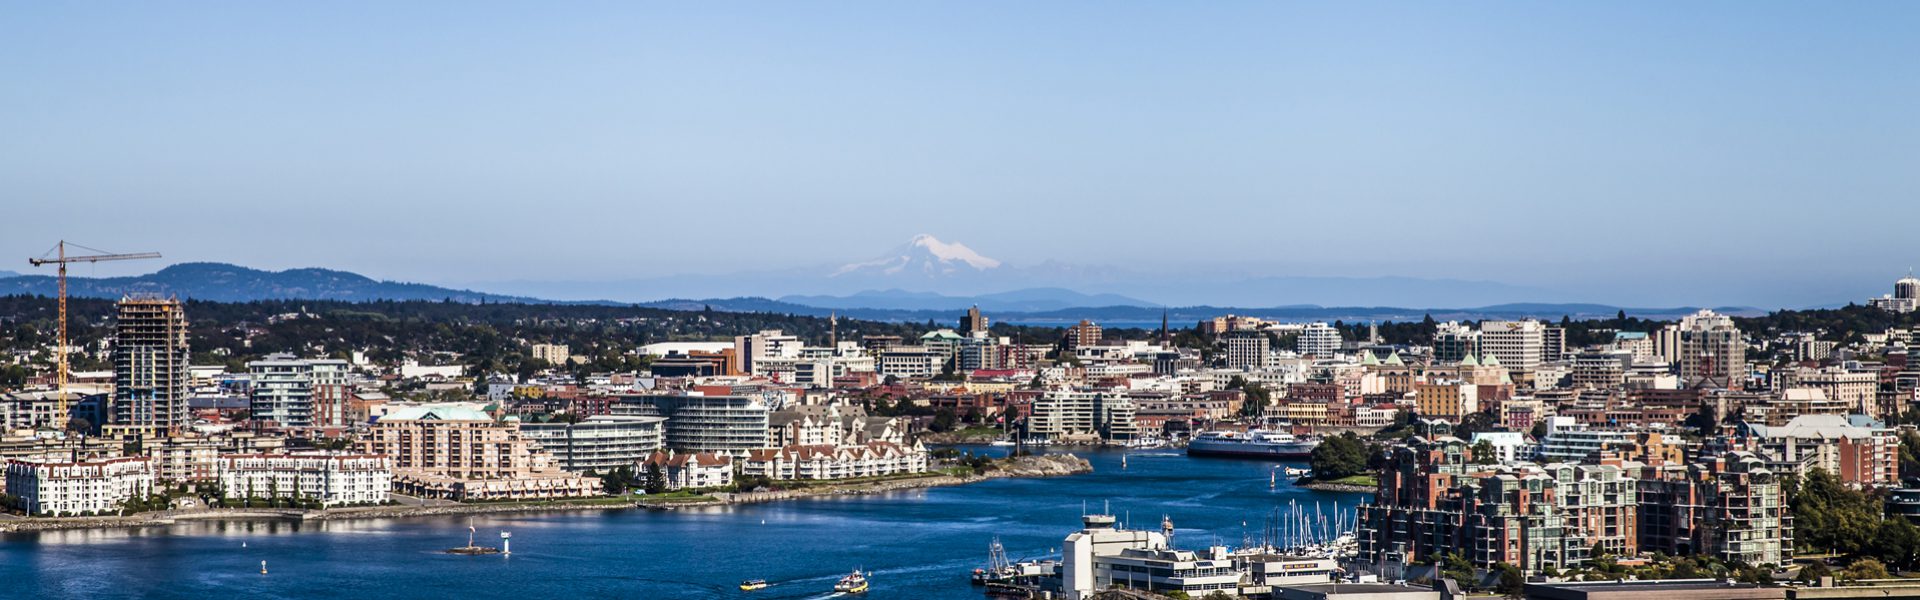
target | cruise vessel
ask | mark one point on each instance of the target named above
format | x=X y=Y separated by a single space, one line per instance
x=1251 y=444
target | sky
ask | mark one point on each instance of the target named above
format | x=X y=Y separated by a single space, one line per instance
x=1732 y=153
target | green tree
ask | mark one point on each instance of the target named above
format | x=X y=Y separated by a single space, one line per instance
x=1484 y=454
x=943 y=421
x=1512 y=583
x=656 y=481
x=1864 y=569
x=1339 y=456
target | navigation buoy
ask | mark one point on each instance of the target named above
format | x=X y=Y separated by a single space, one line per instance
x=263 y=567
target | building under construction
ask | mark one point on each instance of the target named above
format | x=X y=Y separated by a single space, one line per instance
x=150 y=366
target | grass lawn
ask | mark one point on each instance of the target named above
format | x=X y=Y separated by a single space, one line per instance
x=1363 y=479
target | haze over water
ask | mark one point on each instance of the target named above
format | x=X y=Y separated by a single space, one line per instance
x=918 y=543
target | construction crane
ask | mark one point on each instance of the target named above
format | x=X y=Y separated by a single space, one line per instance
x=58 y=256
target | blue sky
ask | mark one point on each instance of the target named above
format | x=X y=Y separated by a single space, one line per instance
x=1712 y=153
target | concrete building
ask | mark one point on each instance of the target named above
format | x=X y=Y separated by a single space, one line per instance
x=553 y=354
x=1905 y=298
x=1857 y=450
x=973 y=324
x=599 y=443
x=446 y=451
x=1713 y=352
x=1318 y=340
x=723 y=425
x=1081 y=415
x=754 y=350
x=150 y=380
x=294 y=393
x=1453 y=342
x=1451 y=401
x=1248 y=350
x=334 y=479
x=1605 y=370
x=51 y=486
x=910 y=362
x=1519 y=345
x=1085 y=333
x=1731 y=507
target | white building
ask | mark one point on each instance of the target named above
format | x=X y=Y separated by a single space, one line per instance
x=554 y=354
x=335 y=479
x=600 y=443
x=910 y=362
x=58 y=488
x=1247 y=350
x=691 y=470
x=836 y=462
x=1520 y=345
x=1319 y=340
x=754 y=349
x=1905 y=298
x=723 y=425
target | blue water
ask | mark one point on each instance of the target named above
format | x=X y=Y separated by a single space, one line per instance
x=918 y=543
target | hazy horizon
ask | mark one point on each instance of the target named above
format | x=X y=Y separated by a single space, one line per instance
x=1759 y=154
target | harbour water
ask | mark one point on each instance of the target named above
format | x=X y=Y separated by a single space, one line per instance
x=917 y=543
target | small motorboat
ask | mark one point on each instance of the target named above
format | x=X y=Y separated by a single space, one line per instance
x=753 y=584
x=852 y=584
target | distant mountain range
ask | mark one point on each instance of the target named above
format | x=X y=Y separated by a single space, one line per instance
x=1034 y=306
x=221 y=282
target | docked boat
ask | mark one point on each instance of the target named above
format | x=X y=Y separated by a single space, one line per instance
x=753 y=584
x=1251 y=444
x=852 y=584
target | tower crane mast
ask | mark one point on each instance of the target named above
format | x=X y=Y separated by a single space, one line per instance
x=59 y=257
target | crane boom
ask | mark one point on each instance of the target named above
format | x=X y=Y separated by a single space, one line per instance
x=60 y=258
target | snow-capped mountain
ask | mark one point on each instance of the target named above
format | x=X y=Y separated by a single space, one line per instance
x=925 y=256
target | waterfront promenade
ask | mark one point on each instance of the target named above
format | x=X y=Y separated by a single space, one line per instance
x=918 y=542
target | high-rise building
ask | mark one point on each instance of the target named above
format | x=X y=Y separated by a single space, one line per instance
x=1520 y=345
x=1905 y=298
x=1086 y=333
x=296 y=393
x=973 y=323
x=1454 y=342
x=554 y=354
x=1247 y=350
x=1318 y=339
x=150 y=366
x=1712 y=351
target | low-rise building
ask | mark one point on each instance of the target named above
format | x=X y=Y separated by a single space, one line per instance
x=332 y=478
x=693 y=470
x=836 y=462
x=56 y=487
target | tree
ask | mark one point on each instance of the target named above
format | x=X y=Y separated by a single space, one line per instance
x=1512 y=583
x=943 y=421
x=1863 y=569
x=656 y=480
x=1338 y=457
x=1484 y=453
x=1814 y=571
x=1257 y=400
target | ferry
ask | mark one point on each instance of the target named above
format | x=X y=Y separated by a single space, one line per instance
x=852 y=584
x=1251 y=444
x=753 y=584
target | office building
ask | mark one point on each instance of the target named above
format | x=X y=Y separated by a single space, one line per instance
x=1248 y=350
x=973 y=324
x=1085 y=333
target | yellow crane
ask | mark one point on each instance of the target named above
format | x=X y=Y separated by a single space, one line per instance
x=58 y=256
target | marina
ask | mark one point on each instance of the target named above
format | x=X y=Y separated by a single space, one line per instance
x=921 y=543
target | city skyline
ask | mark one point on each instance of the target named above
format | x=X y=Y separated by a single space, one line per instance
x=1628 y=155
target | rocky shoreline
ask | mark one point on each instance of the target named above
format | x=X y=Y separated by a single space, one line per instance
x=1052 y=465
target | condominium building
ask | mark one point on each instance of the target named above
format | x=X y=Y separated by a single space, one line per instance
x=1731 y=507
x=1712 y=351
x=1081 y=415
x=973 y=323
x=52 y=486
x=1454 y=342
x=294 y=393
x=1855 y=449
x=1451 y=401
x=1084 y=333
x=910 y=362
x=830 y=461
x=1519 y=345
x=1606 y=370
x=448 y=451
x=754 y=350
x=1318 y=340
x=723 y=425
x=332 y=478
x=150 y=366
x=599 y=443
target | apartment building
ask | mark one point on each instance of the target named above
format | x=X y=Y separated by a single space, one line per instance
x=51 y=486
x=723 y=425
x=150 y=354
x=599 y=443
x=295 y=393
x=449 y=451
x=332 y=478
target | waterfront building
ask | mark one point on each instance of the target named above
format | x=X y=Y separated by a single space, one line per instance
x=729 y=425
x=1247 y=350
x=1713 y=352
x=52 y=486
x=447 y=451
x=827 y=461
x=150 y=379
x=1102 y=555
x=196 y=458
x=1062 y=415
x=293 y=393
x=1318 y=340
x=690 y=470
x=599 y=443
x=332 y=478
